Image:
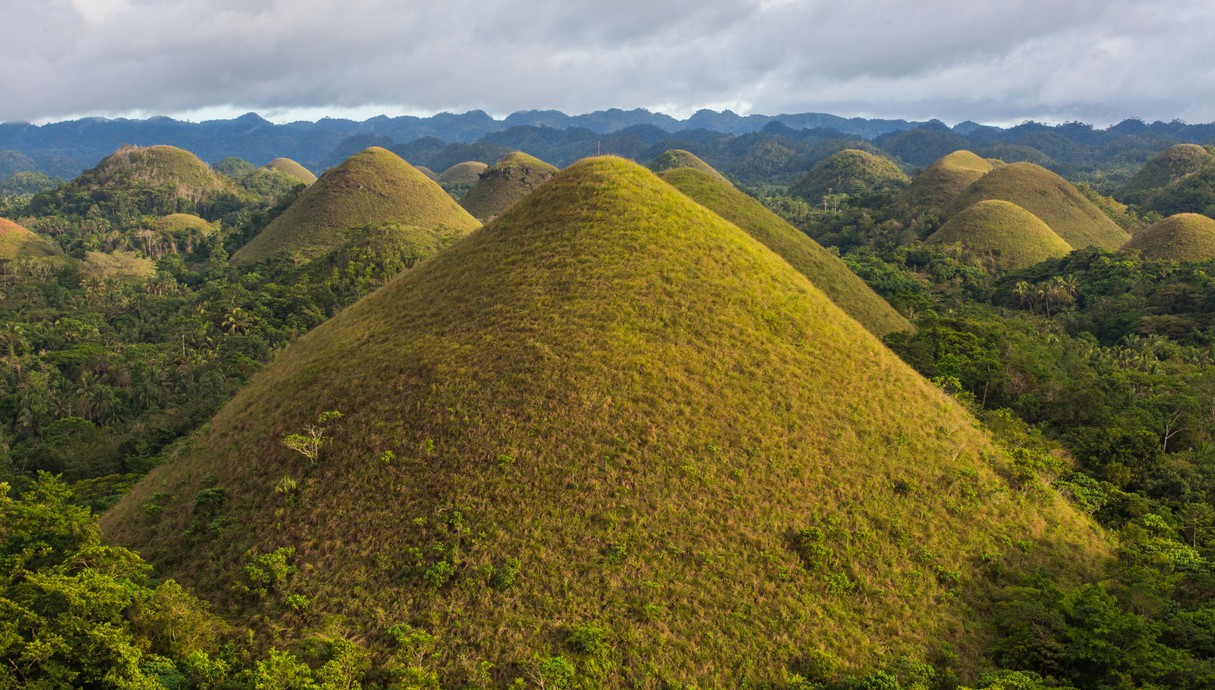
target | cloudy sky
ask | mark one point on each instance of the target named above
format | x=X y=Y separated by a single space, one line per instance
x=999 y=61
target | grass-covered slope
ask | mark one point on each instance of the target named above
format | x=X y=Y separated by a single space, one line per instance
x=1167 y=167
x=1002 y=232
x=18 y=242
x=1049 y=197
x=679 y=158
x=607 y=408
x=460 y=174
x=373 y=186
x=504 y=183
x=851 y=172
x=824 y=269
x=292 y=169
x=941 y=182
x=1182 y=237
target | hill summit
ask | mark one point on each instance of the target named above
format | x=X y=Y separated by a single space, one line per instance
x=1182 y=237
x=1166 y=168
x=851 y=172
x=371 y=187
x=942 y=182
x=609 y=426
x=679 y=158
x=504 y=183
x=825 y=270
x=1049 y=197
x=157 y=167
x=290 y=168
x=1003 y=233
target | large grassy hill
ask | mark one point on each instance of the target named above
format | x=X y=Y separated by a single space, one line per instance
x=851 y=172
x=1003 y=233
x=942 y=182
x=17 y=242
x=371 y=187
x=1182 y=237
x=504 y=183
x=609 y=427
x=291 y=168
x=1049 y=197
x=824 y=269
x=679 y=158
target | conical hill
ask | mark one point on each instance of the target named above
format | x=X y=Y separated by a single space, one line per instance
x=607 y=408
x=18 y=242
x=941 y=182
x=1003 y=233
x=291 y=168
x=504 y=183
x=1049 y=197
x=824 y=269
x=1182 y=237
x=1165 y=168
x=462 y=174
x=679 y=158
x=371 y=187
x=167 y=170
x=851 y=172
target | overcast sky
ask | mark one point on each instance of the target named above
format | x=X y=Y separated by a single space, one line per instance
x=999 y=61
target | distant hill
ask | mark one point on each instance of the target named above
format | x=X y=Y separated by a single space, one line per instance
x=1182 y=237
x=850 y=172
x=152 y=181
x=1049 y=197
x=17 y=242
x=466 y=173
x=427 y=172
x=504 y=183
x=371 y=187
x=942 y=182
x=1006 y=235
x=824 y=269
x=608 y=415
x=157 y=167
x=1167 y=168
x=678 y=158
x=290 y=167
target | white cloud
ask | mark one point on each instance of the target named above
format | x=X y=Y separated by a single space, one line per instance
x=952 y=59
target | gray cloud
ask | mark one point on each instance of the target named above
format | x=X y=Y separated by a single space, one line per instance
x=953 y=59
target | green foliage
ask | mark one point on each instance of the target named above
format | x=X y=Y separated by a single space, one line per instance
x=268 y=572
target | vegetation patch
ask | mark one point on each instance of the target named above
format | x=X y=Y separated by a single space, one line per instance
x=850 y=172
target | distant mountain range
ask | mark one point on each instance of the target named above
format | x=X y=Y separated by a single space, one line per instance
x=64 y=149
